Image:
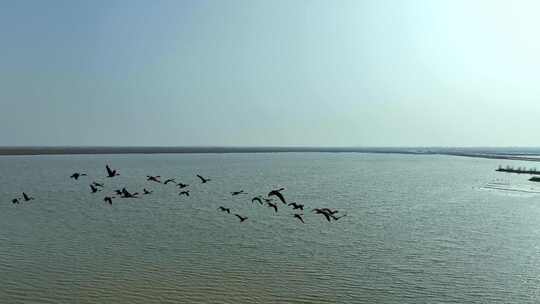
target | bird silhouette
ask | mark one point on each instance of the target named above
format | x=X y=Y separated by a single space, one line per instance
x=277 y=194
x=15 y=201
x=203 y=180
x=76 y=175
x=224 y=209
x=26 y=197
x=127 y=194
x=258 y=199
x=296 y=206
x=153 y=178
x=242 y=218
x=238 y=192
x=108 y=199
x=323 y=212
x=94 y=189
x=186 y=193
x=110 y=172
x=181 y=186
x=146 y=191
x=272 y=205
x=98 y=184
x=169 y=180
x=299 y=216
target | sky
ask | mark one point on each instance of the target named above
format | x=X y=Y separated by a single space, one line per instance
x=269 y=73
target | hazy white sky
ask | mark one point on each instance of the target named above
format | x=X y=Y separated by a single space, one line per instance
x=317 y=73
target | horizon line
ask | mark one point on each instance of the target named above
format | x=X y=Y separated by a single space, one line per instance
x=267 y=146
x=487 y=151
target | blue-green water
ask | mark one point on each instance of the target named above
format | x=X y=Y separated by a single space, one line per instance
x=419 y=229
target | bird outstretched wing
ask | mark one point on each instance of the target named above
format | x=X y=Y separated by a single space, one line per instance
x=279 y=195
x=109 y=171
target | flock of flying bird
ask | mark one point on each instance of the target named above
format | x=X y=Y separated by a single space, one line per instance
x=329 y=214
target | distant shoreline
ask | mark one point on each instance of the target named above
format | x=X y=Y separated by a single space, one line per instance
x=192 y=150
x=523 y=154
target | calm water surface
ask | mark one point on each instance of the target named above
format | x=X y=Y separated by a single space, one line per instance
x=420 y=229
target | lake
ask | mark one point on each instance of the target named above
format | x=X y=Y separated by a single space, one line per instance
x=418 y=229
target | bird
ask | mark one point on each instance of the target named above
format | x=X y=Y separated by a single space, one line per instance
x=126 y=194
x=296 y=206
x=111 y=173
x=153 y=178
x=181 y=186
x=242 y=218
x=76 y=175
x=272 y=205
x=15 y=201
x=238 y=192
x=98 y=184
x=26 y=197
x=278 y=194
x=186 y=193
x=321 y=211
x=299 y=216
x=221 y=208
x=328 y=213
x=108 y=199
x=258 y=199
x=94 y=189
x=146 y=191
x=169 y=180
x=203 y=180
